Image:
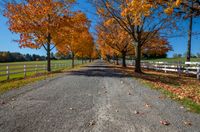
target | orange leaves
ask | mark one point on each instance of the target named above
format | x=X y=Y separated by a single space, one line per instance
x=113 y=40
x=189 y=88
x=136 y=9
x=36 y=19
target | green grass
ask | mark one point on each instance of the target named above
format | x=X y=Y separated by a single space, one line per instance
x=18 y=67
x=186 y=102
x=174 y=60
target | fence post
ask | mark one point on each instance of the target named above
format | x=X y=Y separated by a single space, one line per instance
x=179 y=69
x=165 y=68
x=7 y=72
x=198 y=72
x=24 y=71
x=36 y=68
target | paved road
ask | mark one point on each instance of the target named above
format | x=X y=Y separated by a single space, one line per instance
x=95 y=98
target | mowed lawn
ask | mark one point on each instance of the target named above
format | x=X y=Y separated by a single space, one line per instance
x=32 y=67
x=174 y=60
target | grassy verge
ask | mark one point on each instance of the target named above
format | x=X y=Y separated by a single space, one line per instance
x=183 y=89
x=19 y=82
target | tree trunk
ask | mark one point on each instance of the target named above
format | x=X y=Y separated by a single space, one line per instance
x=82 y=58
x=48 y=53
x=138 y=58
x=190 y=36
x=117 y=59
x=72 y=60
x=124 y=59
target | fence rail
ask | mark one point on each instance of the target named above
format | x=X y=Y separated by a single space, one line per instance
x=180 y=67
x=6 y=70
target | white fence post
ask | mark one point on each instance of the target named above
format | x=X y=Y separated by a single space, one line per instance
x=7 y=72
x=165 y=68
x=36 y=68
x=24 y=71
x=198 y=72
x=179 y=69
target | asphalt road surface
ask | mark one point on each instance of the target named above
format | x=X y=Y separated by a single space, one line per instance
x=95 y=98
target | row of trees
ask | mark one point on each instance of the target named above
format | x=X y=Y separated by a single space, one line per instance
x=185 y=55
x=13 y=57
x=51 y=24
x=142 y=25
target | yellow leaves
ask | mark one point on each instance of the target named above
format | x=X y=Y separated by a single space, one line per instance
x=169 y=10
x=108 y=22
x=177 y=3
x=35 y=19
x=100 y=11
x=136 y=9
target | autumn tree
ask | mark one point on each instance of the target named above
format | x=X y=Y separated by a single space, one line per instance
x=112 y=35
x=138 y=19
x=186 y=8
x=106 y=51
x=38 y=22
x=156 y=47
x=76 y=40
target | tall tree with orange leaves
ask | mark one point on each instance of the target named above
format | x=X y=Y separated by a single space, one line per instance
x=38 y=22
x=140 y=19
x=116 y=38
x=77 y=40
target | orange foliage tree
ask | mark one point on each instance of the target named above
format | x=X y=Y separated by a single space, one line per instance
x=77 y=40
x=38 y=22
x=116 y=38
x=140 y=19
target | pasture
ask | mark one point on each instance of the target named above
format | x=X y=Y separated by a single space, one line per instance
x=23 y=69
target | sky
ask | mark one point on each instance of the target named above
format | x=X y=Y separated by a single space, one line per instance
x=7 y=38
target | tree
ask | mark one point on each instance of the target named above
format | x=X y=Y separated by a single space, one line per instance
x=138 y=19
x=189 y=9
x=76 y=40
x=112 y=35
x=38 y=22
x=157 y=47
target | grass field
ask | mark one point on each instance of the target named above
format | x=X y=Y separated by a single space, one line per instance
x=174 y=60
x=31 y=66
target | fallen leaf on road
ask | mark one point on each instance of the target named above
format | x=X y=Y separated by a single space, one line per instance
x=136 y=112
x=2 y=102
x=71 y=108
x=182 y=107
x=92 y=123
x=164 y=122
x=161 y=97
x=147 y=105
x=187 y=123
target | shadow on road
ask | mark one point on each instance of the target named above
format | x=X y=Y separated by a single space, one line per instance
x=99 y=70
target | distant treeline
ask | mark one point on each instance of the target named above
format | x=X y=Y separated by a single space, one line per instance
x=16 y=57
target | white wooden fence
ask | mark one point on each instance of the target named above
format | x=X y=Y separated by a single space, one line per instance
x=6 y=70
x=186 y=68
